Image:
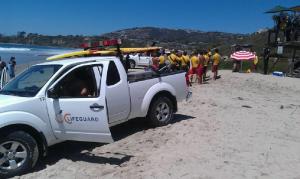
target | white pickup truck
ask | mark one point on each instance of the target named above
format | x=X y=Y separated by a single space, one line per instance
x=78 y=99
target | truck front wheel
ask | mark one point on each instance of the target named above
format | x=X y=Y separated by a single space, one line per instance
x=18 y=153
x=161 y=111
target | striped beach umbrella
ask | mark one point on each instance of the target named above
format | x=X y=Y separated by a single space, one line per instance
x=242 y=55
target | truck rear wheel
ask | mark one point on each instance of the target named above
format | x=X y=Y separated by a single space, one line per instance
x=18 y=153
x=161 y=111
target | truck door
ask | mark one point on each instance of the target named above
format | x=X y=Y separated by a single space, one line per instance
x=117 y=94
x=77 y=106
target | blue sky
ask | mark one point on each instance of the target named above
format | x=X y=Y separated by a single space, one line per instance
x=95 y=17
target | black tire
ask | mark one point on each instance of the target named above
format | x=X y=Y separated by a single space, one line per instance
x=26 y=144
x=160 y=118
x=131 y=64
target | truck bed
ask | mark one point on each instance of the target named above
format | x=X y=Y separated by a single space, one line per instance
x=141 y=82
x=145 y=75
x=140 y=76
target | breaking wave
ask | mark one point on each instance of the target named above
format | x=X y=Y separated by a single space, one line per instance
x=13 y=49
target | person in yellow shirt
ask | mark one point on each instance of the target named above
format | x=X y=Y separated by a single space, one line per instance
x=174 y=61
x=194 y=68
x=216 y=60
x=181 y=60
x=162 y=60
x=179 y=57
x=255 y=62
x=206 y=61
x=185 y=61
x=195 y=61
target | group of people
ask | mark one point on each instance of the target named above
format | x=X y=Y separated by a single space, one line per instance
x=11 y=67
x=197 y=63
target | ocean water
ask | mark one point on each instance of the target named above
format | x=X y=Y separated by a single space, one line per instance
x=26 y=54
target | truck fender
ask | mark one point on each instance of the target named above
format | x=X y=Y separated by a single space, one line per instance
x=24 y=118
x=155 y=89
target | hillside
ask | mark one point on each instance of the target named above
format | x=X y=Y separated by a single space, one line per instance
x=185 y=39
x=169 y=38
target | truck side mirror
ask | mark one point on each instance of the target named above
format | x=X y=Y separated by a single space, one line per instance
x=52 y=93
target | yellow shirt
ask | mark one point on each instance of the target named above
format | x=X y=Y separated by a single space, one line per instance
x=161 y=59
x=173 y=58
x=216 y=58
x=255 y=61
x=182 y=61
x=206 y=57
x=186 y=59
x=195 y=61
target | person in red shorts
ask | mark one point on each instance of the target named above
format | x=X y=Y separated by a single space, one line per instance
x=194 y=66
x=216 y=60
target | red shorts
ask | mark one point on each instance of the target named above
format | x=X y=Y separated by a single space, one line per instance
x=215 y=68
x=200 y=70
x=193 y=71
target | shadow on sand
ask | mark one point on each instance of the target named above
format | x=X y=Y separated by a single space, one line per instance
x=82 y=151
x=136 y=125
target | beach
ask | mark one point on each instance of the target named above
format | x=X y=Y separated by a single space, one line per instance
x=240 y=126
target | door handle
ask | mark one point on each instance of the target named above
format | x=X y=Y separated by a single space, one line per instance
x=96 y=107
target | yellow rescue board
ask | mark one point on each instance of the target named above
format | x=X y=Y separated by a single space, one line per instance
x=111 y=51
x=137 y=50
x=81 y=54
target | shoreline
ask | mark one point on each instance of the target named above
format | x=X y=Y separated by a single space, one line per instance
x=21 y=67
x=34 y=45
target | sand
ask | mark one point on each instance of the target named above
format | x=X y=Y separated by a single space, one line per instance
x=241 y=126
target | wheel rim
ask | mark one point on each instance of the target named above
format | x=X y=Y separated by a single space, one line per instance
x=13 y=155
x=162 y=112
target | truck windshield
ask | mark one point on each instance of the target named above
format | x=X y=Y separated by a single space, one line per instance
x=29 y=83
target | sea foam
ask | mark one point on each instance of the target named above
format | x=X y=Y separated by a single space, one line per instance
x=13 y=49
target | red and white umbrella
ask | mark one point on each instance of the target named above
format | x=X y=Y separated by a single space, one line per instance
x=242 y=55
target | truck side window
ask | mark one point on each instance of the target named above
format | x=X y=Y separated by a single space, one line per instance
x=113 y=76
x=80 y=83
